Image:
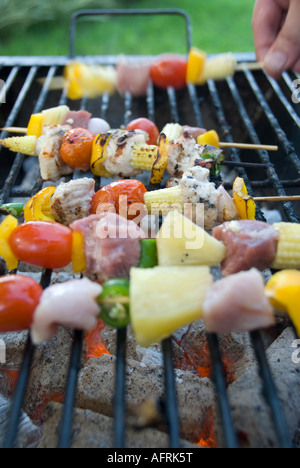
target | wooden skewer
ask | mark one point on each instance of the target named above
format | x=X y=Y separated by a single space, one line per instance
x=14 y=130
x=277 y=198
x=248 y=146
x=249 y=66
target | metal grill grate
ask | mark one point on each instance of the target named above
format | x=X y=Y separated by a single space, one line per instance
x=248 y=107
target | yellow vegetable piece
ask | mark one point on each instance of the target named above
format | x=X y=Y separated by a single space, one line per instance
x=89 y=80
x=6 y=228
x=209 y=138
x=78 y=255
x=243 y=201
x=38 y=207
x=196 y=65
x=72 y=76
x=161 y=161
x=35 y=125
x=283 y=291
x=99 y=154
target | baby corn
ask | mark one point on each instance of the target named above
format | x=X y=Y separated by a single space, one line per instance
x=161 y=202
x=288 y=247
x=24 y=145
x=144 y=157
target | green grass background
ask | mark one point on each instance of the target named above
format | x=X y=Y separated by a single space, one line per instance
x=33 y=27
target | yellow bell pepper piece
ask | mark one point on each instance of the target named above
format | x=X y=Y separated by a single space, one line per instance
x=243 y=201
x=6 y=228
x=35 y=125
x=196 y=65
x=210 y=138
x=72 y=76
x=283 y=291
x=99 y=155
x=78 y=256
x=38 y=207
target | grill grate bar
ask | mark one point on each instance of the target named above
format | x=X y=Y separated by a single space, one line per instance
x=20 y=392
x=120 y=389
x=289 y=108
x=269 y=390
x=220 y=386
x=70 y=392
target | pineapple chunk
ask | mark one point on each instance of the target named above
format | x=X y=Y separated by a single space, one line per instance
x=55 y=115
x=182 y=242
x=164 y=299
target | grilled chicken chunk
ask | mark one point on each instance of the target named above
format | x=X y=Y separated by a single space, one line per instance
x=47 y=149
x=72 y=304
x=72 y=200
x=183 y=154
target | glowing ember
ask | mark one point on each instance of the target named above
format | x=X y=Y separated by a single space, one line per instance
x=94 y=347
x=207 y=437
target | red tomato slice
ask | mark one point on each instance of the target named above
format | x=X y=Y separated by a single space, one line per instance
x=43 y=244
x=125 y=197
x=169 y=70
x=147 y=126
x=19 y=297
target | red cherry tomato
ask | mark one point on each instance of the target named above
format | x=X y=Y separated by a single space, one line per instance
x=19 y=297
x=147 y=126
x=169 y=70
x=125 y=197
x=43 y=244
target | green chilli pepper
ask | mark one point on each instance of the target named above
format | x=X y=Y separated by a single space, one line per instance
x=14 y=209
x=148 y=258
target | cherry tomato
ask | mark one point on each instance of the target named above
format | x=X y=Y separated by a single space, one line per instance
x=43 y=244
x=147 y=126
x=126 y=197
x=76 y=148
x=169 y=70
x=19 y=297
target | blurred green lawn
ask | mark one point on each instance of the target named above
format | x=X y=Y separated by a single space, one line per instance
x=218 y=26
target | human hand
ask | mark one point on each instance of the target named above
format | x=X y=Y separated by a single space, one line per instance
x=276 y=29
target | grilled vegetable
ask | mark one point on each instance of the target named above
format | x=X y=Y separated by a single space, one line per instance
x=164 y=299
x=114 y=303
x=42 y=244
x=15 y=209
x=196 y=64
x=147 y=126
x=35 y=125
x=38 y=207
x=55 y=115
x=169 y=70
x=76 y=148
x=7 y=227
x=243 y=201
x=78 y=253
x=124 y=197
x=210 y=138
x=181 y=242
x=160 y=202
x=283 y=291
x=288 y=252
x=24 y=144
x=99 y=155
x=19 y=297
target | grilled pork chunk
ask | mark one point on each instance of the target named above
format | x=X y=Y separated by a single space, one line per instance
x=249 y=244
x=72 y=200
x=183 y=154
x=237 y=303
x=72 y=304
x=47 y=149
x=112 y=245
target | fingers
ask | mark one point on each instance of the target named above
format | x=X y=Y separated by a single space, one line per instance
x=277 y=35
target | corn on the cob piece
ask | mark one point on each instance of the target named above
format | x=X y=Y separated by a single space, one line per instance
x=143 y=157
x=24 y=145
x=173 y=131
x=161 y=202
x=288 y=247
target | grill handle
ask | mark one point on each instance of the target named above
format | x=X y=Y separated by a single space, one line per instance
x=128 y=12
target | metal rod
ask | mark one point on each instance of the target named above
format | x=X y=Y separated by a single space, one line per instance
x=120 y=390
x=220 y=386
x=269 y=390
x=70 y=392
x=170 y=394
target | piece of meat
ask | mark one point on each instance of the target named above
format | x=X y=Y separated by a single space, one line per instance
x=72 y=200
x=133 y=76
x=183 y=154
x=52 y=167
x=248 y=244
x=77 y=119
x=112 y=245
x=227 y=210
x=194 y=131
x=237 y=303
x=71 y=304
x=119 y=151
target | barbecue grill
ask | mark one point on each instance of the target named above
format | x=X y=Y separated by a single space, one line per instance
x=249 y=107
